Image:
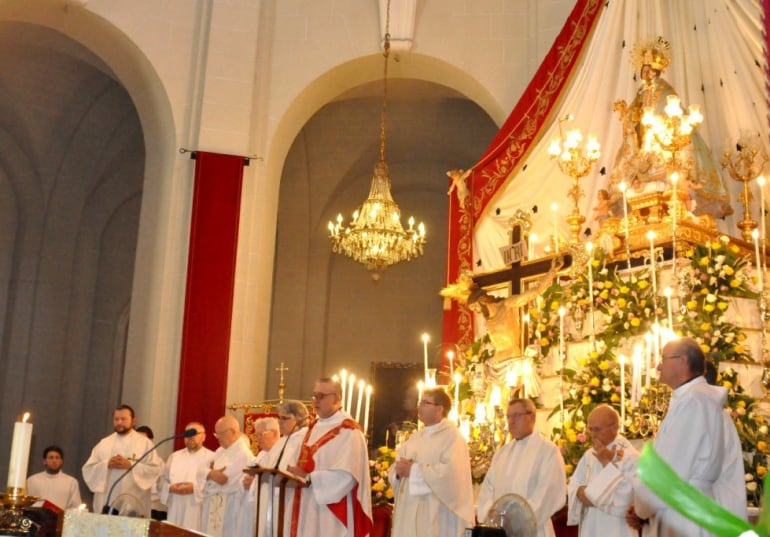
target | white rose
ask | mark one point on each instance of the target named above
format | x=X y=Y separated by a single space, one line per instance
x=751 y=486
x=748 y=477
x=763 y=429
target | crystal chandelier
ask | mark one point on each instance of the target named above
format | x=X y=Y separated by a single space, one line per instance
x=375 y=237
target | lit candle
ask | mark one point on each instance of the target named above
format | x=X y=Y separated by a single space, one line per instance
x=425 y=339
x=623 y=188
x=562 y=311
x=17 y=468
x=755 y=236
x=451 y=356
x=667 y=292
x=366 y=408
x=496 y=396
x=555 y=210
x=351 y=386
x=344 y=384
x=636 y=378
x=656 y=342
x=457 y=378
x=420 y=388
x=531 y=246
x=622 y=360
x=361 y=384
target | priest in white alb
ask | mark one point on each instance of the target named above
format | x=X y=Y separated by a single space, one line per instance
x=223 y=489
x=334 y=462
x=602 y=488
x=529 y=466
x=113 y=456
x=181 y=483
x=267 y=433
x=431 y=477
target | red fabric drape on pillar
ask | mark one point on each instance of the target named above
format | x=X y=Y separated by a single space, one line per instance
x=209 y=296
x=508 y=150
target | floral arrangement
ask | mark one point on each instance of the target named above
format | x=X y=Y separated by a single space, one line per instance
x=382 y=492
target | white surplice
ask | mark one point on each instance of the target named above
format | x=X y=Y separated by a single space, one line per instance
x=222 y=503
x=532 y=468
x=692 y=439
x=60 y=489
x=185 y=466
x=340 y=474
x=437 y=497
x=136 y=485
x=610 y=488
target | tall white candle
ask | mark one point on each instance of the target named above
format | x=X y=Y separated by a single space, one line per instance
x=451 y=356
x=17 y=468
x=344 y=384
x=361 y=384
x=366 y=408
x=651 y=237
x=457 y=379
x=555 y=211
x=755 y=236
x=531 y=246
x=425 y=339
x=562 y=311
x=622 y=360
x=636 y=379
x=623 y=188
x=351 y=386
x=420 y=388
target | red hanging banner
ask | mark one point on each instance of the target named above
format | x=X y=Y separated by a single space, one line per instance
x=209 y=295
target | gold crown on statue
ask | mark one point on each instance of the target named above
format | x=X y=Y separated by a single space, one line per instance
x=653 y=52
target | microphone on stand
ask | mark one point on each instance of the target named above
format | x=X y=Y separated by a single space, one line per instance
x=280 y=455
x=107 y=510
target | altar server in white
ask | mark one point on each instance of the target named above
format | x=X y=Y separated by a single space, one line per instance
x=115 y=454
x=529 y=466
x=692 y=439
x=431 y=477
x=602 y=487
x=334 y=461
x=53 y=485
x=184 y=475
x=223 y=489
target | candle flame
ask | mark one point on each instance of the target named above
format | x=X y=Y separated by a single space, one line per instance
x=425 y=337
x=25 y=417
x=369 y=389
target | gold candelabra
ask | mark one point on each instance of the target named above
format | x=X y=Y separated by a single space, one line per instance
x=13 y=520
x=574 y=161
x=744 y=164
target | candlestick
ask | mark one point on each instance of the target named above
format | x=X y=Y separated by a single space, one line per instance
x=623 y=188
x=651 y=237
x=590 y=250
x=425 y=339
x=554 y=210
x=457 y=379
x=351 y=385
x=17 y=468
x=674 y=197
x=366 y=409
x=622 y=360
x=562 y=311
x=763 y=235
x=667 y=292
x=361 y=384
x=344 y=385
x=760 y=286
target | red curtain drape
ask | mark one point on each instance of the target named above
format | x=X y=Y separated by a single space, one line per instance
x=508 y=150
x=209 y=294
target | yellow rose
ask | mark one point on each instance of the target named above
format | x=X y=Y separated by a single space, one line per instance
x=705 y=326
x=604 y=365
x=604 y=295
x=722 y=306
x=540 y=327
x=762 y=446
x=569 y=468
x=614 y=398
x=572 y=437
x=691 y=304
x=705 y=348
x=739 y=349
x=389 y=494
x=729 y=270
x=594 y=382
x=734 y=248
x=583 y=362
x=704 y=261
x=761 y=471
x=378 y=486
x=727 y=384
x=708 y=307
x=621 y=302
x=735 y=283
x=385 y=465
x=608 y=285
x=567 y=424
x=636 y=321
x=586 y=400
x=704 y=291
x=555 y=305
x=716 y=246
x=594 y=355
x=643 y=284
x=544 y=342
x=624 y=289
x=741 y=336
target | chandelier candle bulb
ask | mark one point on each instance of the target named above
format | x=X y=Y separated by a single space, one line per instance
x=622 y=360
x=360 y=400
x=366 y=408
x=425 y=339
x=755 y=236
x=17 y=468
